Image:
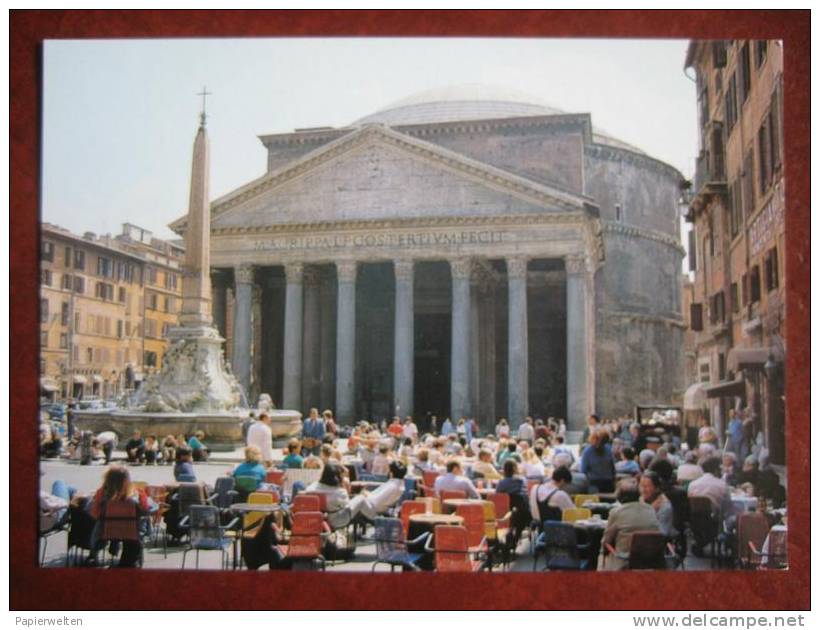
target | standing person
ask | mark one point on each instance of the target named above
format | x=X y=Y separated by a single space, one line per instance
x=330 y=423
x=447 y=428
x=735 y=433
x=260 y=436
x=107 y=441
x=69 y=419
x=433 y=424
x=526 y=431
x=597 y=464
x=313 y=431
x=502 y=429
x=246 y=425
x=592 y=425
x=411 y=431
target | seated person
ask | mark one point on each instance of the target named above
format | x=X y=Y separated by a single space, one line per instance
x=627 y=464
x=711 y=485
x=422 y=464
x=512 y=483
x=293 y=459
x=326 y=453
x=454 y=479
x=689 y=470
x=51 y=445
x=198 y=449
x=551 y=494
x=184 y=466
x=337 y=498
x=533 y=466
x=169 y=449
x=252 y=466
x=484 y=466
x=378 y=501
x=313 y=462
x=381 y=462
x=135 y=448
x=152 y=452
x=651 y=489
x=630 y=516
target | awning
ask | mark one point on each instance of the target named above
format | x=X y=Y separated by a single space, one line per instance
x=79 y=379
x=727 y=388
x=694 y=397
x=48 y=384
x=745 y=358
x=97 y=378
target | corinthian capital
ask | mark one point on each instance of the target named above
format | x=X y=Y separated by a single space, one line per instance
x=516 y=267
x=575 y=264
x=461 y=268
x=243 y=274
x=293 y=273
x=346 y=270
x=403 y=270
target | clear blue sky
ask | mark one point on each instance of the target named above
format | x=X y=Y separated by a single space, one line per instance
x=120 y=115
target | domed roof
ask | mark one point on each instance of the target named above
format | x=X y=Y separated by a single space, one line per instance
x=471 y=102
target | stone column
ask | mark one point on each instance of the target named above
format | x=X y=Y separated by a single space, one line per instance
x=476 y=282
x=345 y=340
x=518 y=353
x=242 y=326
x=403 y=339
x=292 y=366
x=328 y=346
x=219 y=302
x=256 y=345
x=577 y=351
x=487 y=369
x=460 y=354
x=310 y=347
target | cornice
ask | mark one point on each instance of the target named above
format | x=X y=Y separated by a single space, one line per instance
x=646 y=318
x=569 y=218
x=623 y=229
x=622 y=154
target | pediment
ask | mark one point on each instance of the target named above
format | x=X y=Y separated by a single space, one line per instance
x=376 y=173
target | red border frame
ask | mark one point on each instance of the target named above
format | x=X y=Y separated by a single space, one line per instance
x=34 y=588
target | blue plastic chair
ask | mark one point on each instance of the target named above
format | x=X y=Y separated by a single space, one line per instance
x=206 y=534
x=391 y=545
x=560 y=545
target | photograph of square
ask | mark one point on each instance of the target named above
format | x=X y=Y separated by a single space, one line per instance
x=379 y=304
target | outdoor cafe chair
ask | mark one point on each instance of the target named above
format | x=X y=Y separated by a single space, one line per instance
x=451 y=494
x=159 y=494
x=647 y=550
x=452 y=550
x=473 y=515
x=559 y=543
x=80 y=529
x=391 y=545
x=752 y=529
x=119 y=522
x=207 y=534
x=408 y=508
x=306 y=539
x=306 y=503
x=705 y=526
x=570 y=515
x=245 y=484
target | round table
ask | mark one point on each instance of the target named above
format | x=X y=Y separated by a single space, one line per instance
x=267 y=508
x=421 y=523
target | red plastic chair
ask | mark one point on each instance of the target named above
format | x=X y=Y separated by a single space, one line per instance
x=473 y=515
x=306 y=538
x=752 y=528
x=452 y=494
x=306 y=503
x=322 y=497
x=452 y=553
x=276 y=477
x=501 y=500
x=408 y=508
x=428 y=482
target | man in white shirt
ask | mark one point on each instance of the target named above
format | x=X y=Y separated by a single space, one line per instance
x=410 y=429
x=455 y=480
x=372 y=504
x=711 y=486
x=689 y=469
x=526 y=431
x=260 y=436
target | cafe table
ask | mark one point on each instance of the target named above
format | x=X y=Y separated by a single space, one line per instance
x=599 y=508
x=744 y=503
x=451 y=504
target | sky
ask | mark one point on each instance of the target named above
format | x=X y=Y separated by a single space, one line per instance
x=120 y=116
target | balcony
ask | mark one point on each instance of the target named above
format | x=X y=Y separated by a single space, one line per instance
x=710 y=170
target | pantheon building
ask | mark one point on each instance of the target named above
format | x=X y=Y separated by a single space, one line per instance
x=463 y=252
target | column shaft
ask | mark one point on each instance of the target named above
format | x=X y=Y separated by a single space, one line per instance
x=243 y=327
x=577 y=399
x=292 y=384
x=518 y=354
x=460 y=354
x=345 y=341
x=327 y=358
x=311 y=338
x=403 y=340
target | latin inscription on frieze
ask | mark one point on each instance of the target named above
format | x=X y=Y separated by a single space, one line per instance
x=387 y=239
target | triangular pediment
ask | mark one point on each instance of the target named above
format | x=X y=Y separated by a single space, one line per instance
x=376 y=173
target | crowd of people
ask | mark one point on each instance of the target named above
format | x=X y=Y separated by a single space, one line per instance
x=651 y=474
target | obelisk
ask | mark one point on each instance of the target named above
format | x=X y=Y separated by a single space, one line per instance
x=196 y=280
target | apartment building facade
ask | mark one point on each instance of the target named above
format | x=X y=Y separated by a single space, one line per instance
x=736 y=244
x=93 y=315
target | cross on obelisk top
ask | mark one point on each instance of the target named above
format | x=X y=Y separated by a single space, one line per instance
x=204 y=94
